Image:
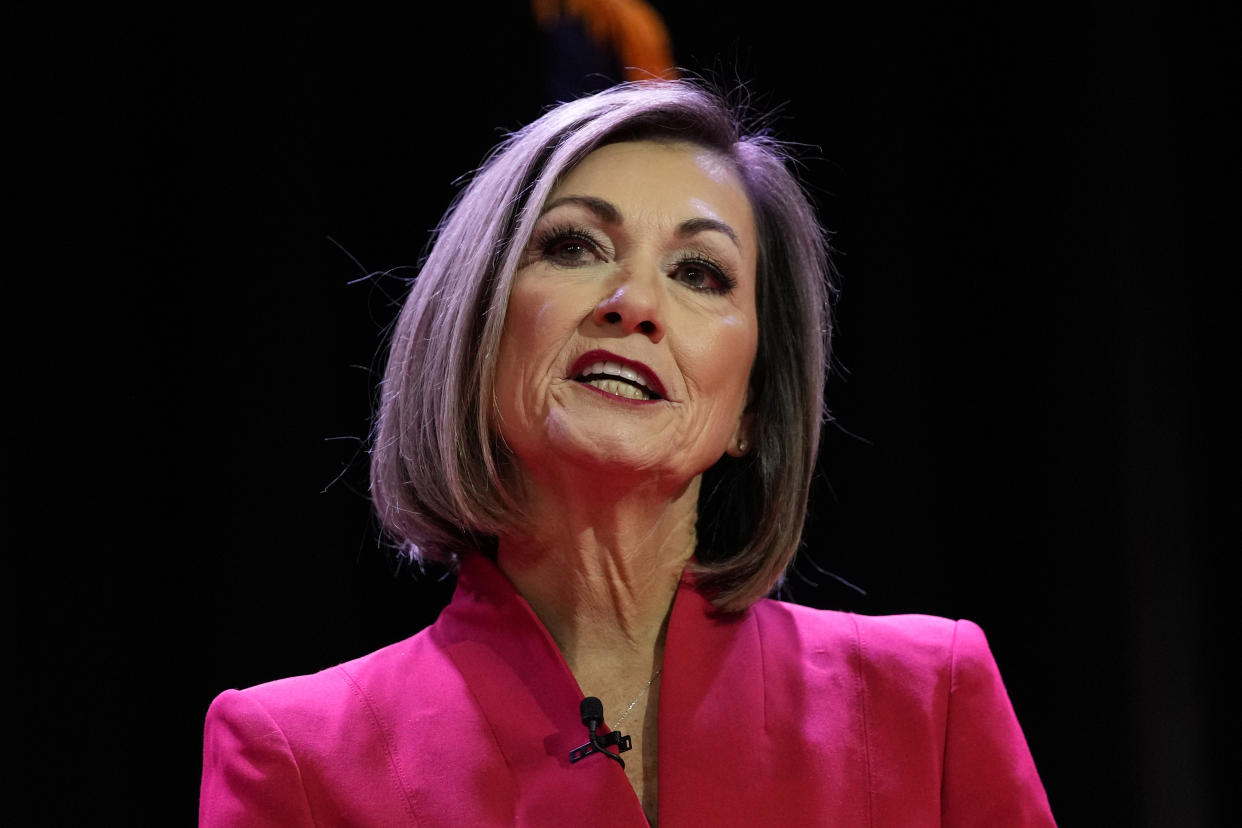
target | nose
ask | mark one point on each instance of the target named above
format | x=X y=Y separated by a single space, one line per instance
x=634 y=306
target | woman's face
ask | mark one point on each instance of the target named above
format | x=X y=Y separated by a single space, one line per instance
x=631 y=328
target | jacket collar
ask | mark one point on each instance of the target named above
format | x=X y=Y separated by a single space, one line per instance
x=708 y=706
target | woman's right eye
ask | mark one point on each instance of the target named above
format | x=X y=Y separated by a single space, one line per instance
x=570 y=249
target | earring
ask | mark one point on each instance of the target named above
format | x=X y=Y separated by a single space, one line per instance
x=742 y=445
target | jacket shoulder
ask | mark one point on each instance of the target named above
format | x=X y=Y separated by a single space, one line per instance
x=899 y=660
x=929 y=698
x=315 y=748
x=909 y=641
x=343 y=686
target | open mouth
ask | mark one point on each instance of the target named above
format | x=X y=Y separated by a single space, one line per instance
x=618 y=379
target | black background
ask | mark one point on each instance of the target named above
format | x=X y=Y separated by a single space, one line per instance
x=1031 y=209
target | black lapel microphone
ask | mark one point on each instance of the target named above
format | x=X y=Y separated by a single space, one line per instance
x=592 y=711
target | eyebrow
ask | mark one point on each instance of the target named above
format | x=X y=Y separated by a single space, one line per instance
x=605 y=210
x=608 y=212
x=700 y=225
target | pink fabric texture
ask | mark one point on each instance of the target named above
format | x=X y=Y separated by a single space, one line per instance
x=782 y=715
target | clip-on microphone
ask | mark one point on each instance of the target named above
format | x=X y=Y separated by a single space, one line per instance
x=592 y=711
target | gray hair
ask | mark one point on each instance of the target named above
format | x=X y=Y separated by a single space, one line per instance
x=441 y=477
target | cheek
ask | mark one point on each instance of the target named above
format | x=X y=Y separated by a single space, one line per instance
x=532 y=341
x=520 y=322
x=524 y=322
x=724 y=359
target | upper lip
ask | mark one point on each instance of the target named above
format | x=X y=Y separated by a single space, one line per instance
x=630 y=369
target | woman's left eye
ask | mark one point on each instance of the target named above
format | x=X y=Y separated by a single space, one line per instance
x=703 y=275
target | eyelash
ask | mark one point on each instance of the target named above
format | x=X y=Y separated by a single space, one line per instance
x=547 y=241
x=722 y=277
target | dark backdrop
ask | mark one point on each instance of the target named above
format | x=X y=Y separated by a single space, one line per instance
x=1029 y=209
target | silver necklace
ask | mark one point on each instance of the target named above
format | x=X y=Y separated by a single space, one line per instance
x=617 y=726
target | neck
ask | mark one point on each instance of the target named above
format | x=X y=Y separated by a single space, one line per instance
x=601 y=571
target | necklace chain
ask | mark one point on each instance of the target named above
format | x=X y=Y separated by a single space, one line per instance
x=617 y=726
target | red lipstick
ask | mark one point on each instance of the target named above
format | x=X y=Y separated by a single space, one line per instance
x=630 y=370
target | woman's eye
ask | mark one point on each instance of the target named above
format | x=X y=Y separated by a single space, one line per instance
x=703 y=276
x=570 y=250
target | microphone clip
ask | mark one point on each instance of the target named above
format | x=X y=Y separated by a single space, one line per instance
x=592 y=713
x=598 y=743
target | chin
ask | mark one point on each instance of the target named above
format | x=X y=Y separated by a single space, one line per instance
x=620 y=458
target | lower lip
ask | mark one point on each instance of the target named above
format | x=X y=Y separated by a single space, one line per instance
x=614 y=397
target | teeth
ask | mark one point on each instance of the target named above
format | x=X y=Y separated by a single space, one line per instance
x=616 y=369
x=621 y=389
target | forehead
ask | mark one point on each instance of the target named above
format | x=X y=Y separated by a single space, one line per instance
x=681 y=179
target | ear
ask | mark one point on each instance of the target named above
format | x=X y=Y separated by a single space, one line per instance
x=741 y=442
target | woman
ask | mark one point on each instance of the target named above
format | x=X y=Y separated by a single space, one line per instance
x=603 y=402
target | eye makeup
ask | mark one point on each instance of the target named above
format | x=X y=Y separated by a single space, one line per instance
x=571 y=245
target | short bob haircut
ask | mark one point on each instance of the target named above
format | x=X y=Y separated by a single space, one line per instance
x=441 y=476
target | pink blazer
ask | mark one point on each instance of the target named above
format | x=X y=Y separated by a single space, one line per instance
x=780 y=716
